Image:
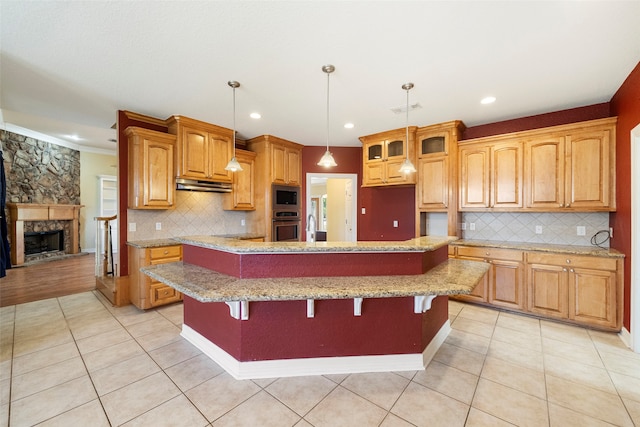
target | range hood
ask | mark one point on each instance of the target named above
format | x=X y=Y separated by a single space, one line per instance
x=195 y=185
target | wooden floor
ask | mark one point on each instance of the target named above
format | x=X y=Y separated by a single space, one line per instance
x=48 y=279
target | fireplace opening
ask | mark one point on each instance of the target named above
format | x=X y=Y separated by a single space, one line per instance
x=43 y=241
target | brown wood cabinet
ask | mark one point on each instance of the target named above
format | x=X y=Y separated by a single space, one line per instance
x=583 y=289
x=382 y=156
x=557 y=169
x=145 y=292
x=203 y=151
x=151 y=172
x=242 y=196
x=503 y=285
x=277 y=161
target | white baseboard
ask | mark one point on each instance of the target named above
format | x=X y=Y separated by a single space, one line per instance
x=316 y=365
x=625 y=336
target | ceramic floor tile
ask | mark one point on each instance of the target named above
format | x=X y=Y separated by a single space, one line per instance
x=193 y=372
x=477 y=418
x=44 y=358
x=626 y=386
x=512 y=406
x=112 y=355
x=173 y=313
x=463 y=359
x=175 y=412
x=164 y=335
x=84 y=329
x=381 y=388
x=301 y=393
x=479 y=314
x=473 y=326
x=449 y=381
x=103 y=340
x=51 y=402
x=133 y=316
x=529 y=381
x=395 y=421
x=264 y=382
x=261 y=410
x=135 y=399
x=455 y=307
x=422 y=406
x=520 y=323
x=229 y=393
x=562 y=417
x=149 y=326
x=4 y=415
x=580 y=373
x=621 y=364
x=174 y=353
x=578 y=353
x=79 y=416
x=516 y=355
x=50 y=376
x=586 y=400
x=124 y=373
x=24 y=331
x=522 y=339
x=633 y=408
x=336 y=378
x=344 y=408
x=469 y=341
x=565 y=333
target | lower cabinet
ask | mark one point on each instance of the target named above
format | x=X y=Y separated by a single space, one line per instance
x=574 y=288
x=145 y=292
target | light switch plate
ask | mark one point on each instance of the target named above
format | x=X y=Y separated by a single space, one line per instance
x=132 y=226
x=538 y=229
x=581 y=230
x=158 y=226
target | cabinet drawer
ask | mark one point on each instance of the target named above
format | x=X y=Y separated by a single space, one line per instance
x=495 y=253
x=162 y=294
x=165 y=252
x=591 y=262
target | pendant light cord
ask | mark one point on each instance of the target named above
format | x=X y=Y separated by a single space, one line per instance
x=234 y=122
x=407 y=125
x=328 y=76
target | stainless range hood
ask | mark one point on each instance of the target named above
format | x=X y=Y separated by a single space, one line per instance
x=195 y=185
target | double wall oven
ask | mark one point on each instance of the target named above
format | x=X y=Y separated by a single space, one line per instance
x=285 y=220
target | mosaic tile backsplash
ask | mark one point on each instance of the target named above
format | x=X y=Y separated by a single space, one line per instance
x=557 y=228
x=196 y=213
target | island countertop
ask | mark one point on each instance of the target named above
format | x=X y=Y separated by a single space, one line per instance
x=419 y=244
x=450 y=277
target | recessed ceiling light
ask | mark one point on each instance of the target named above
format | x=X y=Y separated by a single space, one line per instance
x=488 y=100
x=255 y=115
x=348 y=125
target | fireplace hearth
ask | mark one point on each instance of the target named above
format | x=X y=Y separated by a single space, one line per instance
x=43 y=242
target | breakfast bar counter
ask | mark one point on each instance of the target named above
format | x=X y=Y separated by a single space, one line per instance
x=283 y=309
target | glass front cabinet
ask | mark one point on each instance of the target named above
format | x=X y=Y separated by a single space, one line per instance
x=383 y=154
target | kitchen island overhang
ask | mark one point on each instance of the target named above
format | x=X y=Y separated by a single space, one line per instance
x=262 y=327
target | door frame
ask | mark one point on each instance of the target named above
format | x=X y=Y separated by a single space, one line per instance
x=635 y=240
x=354 y=191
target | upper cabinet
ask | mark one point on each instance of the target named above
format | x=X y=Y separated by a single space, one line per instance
x=203 y=149
x=242 y=196
x=382 y=156
x=151 y=172
x=562 y=168
x=279 y=161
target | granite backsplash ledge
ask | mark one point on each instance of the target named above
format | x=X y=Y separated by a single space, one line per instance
x=557 y=228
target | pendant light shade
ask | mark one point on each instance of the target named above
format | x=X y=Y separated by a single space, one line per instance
x=407 y=167
x=327 y=159
x=233 y=164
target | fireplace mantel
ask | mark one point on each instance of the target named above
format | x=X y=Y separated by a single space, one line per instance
x=21 y=212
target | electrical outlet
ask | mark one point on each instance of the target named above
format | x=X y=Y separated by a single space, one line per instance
x=395 y=224
x=364 y=211
x=158 y=226
x=242 y=222
x=463 y=226
x=132 y=226
x=538 y=229
x=472 y=226
x=581 y=230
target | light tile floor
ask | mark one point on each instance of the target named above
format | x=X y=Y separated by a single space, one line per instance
x=76 y=360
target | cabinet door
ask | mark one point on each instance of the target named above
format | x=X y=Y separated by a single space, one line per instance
x=506 y=175
x=592 y=296
x=479 y=293
x=242 y=197
x=544 y=173
x=588 y=174
x=220 y=152
x=433 y=185
x=373 y=174
x=293 y=167
x=548 y=290
x=278 y=164
x=194 y=154
x=506 y=284
x=474 y=177
x=158 y=187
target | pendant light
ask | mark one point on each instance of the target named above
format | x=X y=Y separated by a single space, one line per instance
x=407 y=167
x=233 y=164
x=327 y=159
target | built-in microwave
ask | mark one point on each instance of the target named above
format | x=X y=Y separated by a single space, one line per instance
x=285 y=197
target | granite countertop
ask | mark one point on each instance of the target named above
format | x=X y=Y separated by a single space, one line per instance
x=450 y=277
x=154 y=243
x=419 y=244
x=542 y=247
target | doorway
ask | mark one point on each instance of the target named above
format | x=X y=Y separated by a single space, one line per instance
x=635 y=240
x=332 y=199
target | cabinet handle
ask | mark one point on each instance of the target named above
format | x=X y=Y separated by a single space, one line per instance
x=486 y=253
x=562 y=205
x=166 y=252
x=572 y=270
x=564 y=269
x=568 y=205
x=568 y=261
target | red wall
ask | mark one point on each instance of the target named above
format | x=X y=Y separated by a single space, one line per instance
x=626 y=105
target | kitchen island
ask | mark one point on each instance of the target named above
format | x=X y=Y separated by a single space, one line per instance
x=282 y=309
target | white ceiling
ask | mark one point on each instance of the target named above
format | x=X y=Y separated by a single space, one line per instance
x=67 y=67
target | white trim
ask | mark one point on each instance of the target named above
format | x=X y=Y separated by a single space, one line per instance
x=625 y=336
x=57 y=141
x=634 y=259
x=317 y=365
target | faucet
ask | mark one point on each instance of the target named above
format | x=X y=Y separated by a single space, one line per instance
x=311 y=226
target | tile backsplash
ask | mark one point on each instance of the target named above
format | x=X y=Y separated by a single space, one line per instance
x=196 y=213
x=557 y=228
